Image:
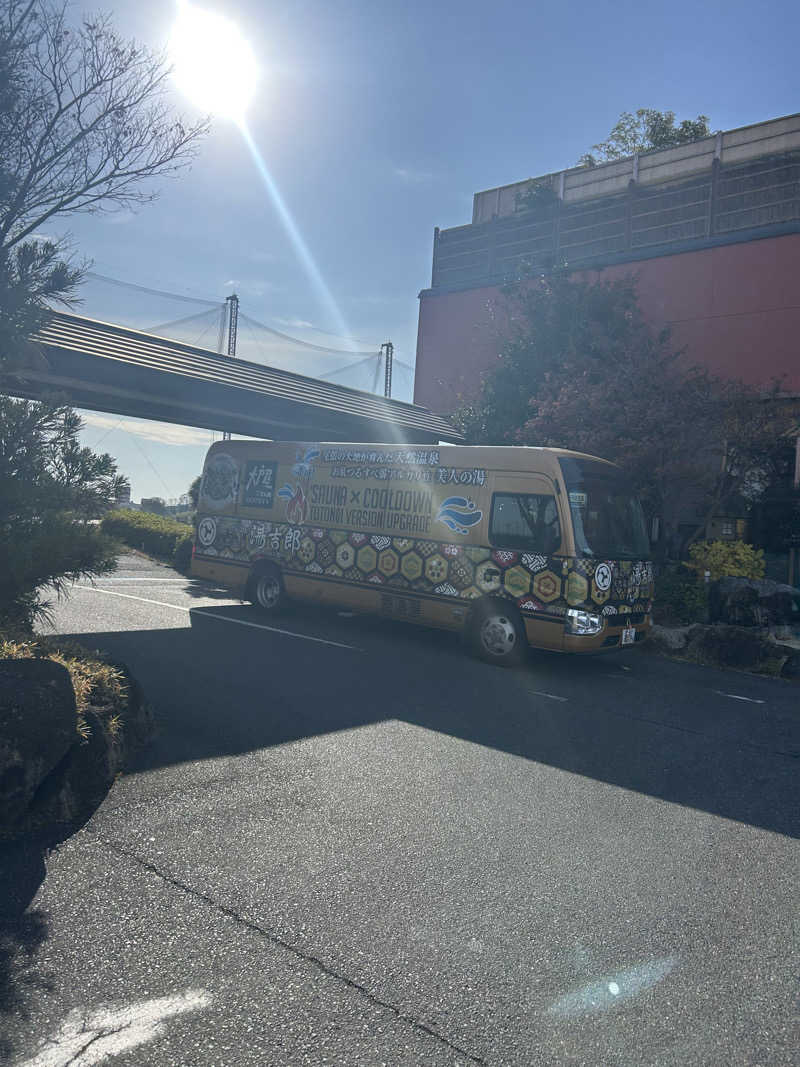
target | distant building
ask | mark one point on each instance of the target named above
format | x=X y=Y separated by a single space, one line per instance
x=711 y=229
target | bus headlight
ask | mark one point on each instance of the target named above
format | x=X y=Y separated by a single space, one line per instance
x=583 y=622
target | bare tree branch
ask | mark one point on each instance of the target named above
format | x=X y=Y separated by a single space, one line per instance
x=86 y=124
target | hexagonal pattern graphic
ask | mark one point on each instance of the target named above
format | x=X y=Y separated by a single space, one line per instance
x=388 y=562
x=577 y=588
x=357 y=539
x=306 y=550
x=476 y=554
x=471 y=593
x=504 y=558
x=334 y=571
x=326 y=552
x=436 y=568
x=403 y=544
x=367 y=558
x=517 y=581
x=345 y=556
x=461 y=573
x=338 y=536
x=487 y=576
x=547 y=586
x=411 y=566
x=599 y=596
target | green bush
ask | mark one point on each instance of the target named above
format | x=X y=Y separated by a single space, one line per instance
x=680 y=599
x=182 y=560
x=156 y=535
x=726 y=559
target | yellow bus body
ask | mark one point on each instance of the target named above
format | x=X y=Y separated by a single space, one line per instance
x=405 y=531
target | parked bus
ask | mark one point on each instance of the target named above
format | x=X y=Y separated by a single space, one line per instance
x=515 y=546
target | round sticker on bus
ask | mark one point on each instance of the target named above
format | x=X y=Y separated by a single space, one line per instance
x=602 y=577
x=207 y=532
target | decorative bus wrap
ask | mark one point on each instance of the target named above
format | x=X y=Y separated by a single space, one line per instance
x=431 y=531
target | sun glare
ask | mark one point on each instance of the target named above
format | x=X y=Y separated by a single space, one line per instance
x=213 y=63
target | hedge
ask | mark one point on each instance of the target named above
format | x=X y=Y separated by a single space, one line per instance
x=156 y=535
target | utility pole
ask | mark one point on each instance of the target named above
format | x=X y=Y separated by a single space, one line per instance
x=387 y=349
x=233 y=324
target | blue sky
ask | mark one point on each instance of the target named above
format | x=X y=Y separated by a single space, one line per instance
x=378 y=121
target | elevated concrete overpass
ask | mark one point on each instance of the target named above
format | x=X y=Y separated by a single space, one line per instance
x=104 y=367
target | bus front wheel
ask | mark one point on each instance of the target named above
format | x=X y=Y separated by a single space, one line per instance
x=266 y=590
x=496 y=633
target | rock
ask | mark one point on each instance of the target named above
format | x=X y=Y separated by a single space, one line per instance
x=668 y=639
x=753 y=602
x=37 y=731
x=737 y=647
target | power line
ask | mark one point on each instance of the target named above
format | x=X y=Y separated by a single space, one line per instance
x=133 y=437
x=215 y=304
x=179 y=322
x=151 y=292
x=303 y=344
x=350 y=366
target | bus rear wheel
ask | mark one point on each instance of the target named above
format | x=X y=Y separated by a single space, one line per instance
x=497 y=634
x=265 y=590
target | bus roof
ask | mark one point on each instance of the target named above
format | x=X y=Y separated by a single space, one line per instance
x=493 y=457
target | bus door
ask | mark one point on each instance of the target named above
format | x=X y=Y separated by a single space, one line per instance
x=528 y=536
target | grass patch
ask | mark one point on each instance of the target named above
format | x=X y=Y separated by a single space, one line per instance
x=100 y=687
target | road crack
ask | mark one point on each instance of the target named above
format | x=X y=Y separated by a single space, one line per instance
x=307 y=957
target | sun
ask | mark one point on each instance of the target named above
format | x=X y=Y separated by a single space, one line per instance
x=213 y=63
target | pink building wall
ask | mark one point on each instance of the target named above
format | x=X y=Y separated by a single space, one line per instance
x=736 y=309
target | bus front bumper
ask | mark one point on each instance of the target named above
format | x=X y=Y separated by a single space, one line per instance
x=609 y=638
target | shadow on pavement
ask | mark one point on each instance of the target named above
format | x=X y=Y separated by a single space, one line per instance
x=201 y=590
x=22 y=871
x=220 y=689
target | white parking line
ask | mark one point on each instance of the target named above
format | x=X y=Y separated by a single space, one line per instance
x=118 y=579
x=735 y=696
x=223 y=618
x=550 y=696
x=130 y=596
x=275 y=630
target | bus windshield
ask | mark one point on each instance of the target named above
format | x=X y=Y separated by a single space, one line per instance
x=607 y=517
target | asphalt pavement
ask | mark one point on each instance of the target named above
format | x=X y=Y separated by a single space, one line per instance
x=352 y=844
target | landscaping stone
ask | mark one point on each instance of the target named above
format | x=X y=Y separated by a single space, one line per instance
x=756 y=602
x=668 y=639
x=732 y=647
x=37 y=731
x=737 y=647
x=51 y=777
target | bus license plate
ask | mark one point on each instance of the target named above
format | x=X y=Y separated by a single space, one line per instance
x=628 y=636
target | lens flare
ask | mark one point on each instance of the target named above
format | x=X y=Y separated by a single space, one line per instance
x=213 y=63
x=301 y=248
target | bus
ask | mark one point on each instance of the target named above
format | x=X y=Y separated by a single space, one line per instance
x=513 y=546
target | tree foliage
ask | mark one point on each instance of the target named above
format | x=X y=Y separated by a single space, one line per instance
x=580 y=368
x=50 y=490
x=85 y=125
x=644 y=131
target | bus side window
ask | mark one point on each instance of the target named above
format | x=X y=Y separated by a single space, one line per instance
x=526 y=522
